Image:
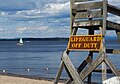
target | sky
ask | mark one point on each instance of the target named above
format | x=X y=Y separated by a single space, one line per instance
x=38 y=18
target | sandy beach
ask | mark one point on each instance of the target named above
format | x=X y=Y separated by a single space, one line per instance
x=20 y=80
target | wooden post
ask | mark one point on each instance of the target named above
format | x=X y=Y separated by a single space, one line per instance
x=103 y=42
x=59 y=73
x=62 y=63
x=112 y=67
x=90 y=75
x=91 y=31
x=78 y=13
x=81 y=67
x=71 y=16
x=84 y=73
x=118 y=34
x=71 y=69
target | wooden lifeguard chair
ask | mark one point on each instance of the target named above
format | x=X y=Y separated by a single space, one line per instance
x=89 y=15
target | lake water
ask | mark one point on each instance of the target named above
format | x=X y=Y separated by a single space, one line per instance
x=42 y=57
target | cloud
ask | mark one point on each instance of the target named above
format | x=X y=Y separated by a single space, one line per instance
x=15 y=5
x=29 y=29
x=54 y=8
x=33 y=12
x=38 y=18
x=42 y=32
x=1 y=29
x=21 y=30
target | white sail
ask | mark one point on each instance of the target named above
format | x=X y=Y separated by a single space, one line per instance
x=21 y=41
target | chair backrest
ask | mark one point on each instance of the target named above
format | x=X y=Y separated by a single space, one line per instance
x=83 y=11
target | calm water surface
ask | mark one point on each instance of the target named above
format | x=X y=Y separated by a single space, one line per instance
x=43 y=57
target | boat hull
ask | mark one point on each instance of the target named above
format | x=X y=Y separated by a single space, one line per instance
x=20 y=44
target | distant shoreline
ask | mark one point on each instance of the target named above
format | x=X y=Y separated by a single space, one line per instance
x=34 y=39
x=42 y=39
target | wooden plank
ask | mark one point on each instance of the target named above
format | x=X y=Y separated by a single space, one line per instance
x=90 y=32
x=116 y=51
x=62 y=64
x=104 y=71
x=89 y=14
x=100 y=70
x=74 y=31
x=108 y=70
x=71 y=69
x=80 y=0
x=112 y=51
x=113 y=25
x=72 y=17
x=112 y=67
x=69 y=74
x=103 y=31
x=118 y=34
x=83 y=64
x=72 y=6
x=91 y=67
x=81 y=67
x=90 y=75
x=59 y=73
x=96 y=23
x=89 y=5
x=113 y=9
x=87 y=23
x=71 y=23
x=104 y=17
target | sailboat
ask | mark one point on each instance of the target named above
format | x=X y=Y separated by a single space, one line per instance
x=20 y=42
